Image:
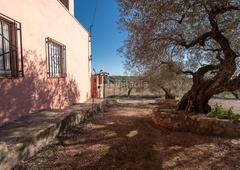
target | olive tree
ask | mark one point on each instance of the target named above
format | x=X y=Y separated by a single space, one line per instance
x=166 y=78
x=201 y=34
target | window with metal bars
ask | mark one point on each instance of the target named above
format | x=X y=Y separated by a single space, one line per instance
x=56 y=53
x=11 y=61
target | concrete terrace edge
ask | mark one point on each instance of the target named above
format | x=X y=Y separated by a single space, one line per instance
x=14 y=152
x=196 y=123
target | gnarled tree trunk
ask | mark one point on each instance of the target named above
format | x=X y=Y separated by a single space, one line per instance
x=235 y=94
x=196 y=99
x=168 y=94
x=129 y=91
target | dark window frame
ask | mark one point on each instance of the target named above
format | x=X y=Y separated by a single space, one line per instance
x=56 y=59
x=11 y=56
x=65 y=3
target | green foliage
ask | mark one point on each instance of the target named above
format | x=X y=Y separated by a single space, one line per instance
x=219 y=112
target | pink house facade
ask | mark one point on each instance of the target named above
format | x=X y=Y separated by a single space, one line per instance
x=44 y=57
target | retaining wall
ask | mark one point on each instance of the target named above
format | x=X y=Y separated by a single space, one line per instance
x=196 y=123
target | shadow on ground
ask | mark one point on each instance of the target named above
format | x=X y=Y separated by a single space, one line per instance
x=125 y=137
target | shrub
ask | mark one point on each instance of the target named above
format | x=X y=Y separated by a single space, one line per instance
x=218 y=112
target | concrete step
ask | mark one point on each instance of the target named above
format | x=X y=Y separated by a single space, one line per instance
x=23 y=137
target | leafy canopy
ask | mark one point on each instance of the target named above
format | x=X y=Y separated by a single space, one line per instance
x=182 y=31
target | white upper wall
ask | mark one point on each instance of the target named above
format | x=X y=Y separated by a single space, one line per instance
x=71 y=7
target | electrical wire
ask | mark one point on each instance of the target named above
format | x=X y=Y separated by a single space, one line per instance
x=93 y=16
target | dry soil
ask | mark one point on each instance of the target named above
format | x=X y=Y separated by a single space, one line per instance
x=125 y=137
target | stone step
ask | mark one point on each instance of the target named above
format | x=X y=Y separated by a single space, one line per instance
x=23 y=137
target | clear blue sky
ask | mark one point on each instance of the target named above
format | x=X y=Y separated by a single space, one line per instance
x=106 y=38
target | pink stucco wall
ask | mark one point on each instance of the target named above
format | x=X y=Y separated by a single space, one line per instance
x=35 y=91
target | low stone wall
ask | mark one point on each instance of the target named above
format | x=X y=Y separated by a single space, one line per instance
x=196 y=123
x=23 y=137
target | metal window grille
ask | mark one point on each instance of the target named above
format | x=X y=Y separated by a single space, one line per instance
x=56 y=58
x=11 y=60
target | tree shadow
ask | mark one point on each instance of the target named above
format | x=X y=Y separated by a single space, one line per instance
x=35 y=90
x=123 y=141
x=170 y=150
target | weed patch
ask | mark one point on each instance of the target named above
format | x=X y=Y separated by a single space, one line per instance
x=219 y=112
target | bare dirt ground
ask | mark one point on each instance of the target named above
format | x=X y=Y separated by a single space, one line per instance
x=125 y=137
